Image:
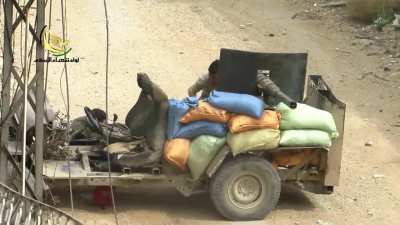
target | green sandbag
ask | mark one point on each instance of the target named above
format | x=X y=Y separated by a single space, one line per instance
x=262 y=139
x=202 y=150
x=306 y=117
x=305 y=138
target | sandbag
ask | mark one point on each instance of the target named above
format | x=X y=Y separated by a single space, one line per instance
x=202 y=150
x=176 y=152
x=263 y=139
x=205 y=111
x=177 y=109
x=202 y=127
x=240 y=123
x=237 y=103
x=306 y=117
x=305 y=138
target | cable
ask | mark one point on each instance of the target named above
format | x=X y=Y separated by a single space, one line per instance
x=63 y=19
x=108 y=138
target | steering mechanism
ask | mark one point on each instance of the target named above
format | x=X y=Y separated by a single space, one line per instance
x=92 y=120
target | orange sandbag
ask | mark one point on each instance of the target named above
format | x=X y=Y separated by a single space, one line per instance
x=176 y=152
x=205 y=111
x=293 y=158
x=240 y=123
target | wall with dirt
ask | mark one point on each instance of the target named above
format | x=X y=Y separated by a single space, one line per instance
x=367 y=10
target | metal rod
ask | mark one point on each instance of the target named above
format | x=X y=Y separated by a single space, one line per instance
x=47 y=54
x=31 y=29
x=5 y=92
x=108 y=136
x=20 y=17
x=25 y=103
x=39 y=132
x=16 y=167
x=22 y=85
x=64 y=29
x=16 y=104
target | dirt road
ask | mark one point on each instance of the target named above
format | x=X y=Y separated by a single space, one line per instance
x=174 y=41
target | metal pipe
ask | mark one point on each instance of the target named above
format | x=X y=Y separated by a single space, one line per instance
x=39 y=132
x=64 y=29
x=25 y=105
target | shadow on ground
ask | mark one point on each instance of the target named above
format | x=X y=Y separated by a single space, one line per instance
x=168 y=201
x=292 y=198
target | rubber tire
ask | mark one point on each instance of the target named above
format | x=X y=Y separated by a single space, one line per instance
x=219 y=188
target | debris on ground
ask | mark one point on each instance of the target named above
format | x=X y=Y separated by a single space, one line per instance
x=366 y=42
x=368 y=143
x=343 y=51
x=320 y=222
x=386 y=68
x=396 y=124
x=396 y=21
x=376 y=176
x=333 y=4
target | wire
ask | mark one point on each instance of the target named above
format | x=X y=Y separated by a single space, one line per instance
x=108 y=136
x=61 y=90
x=63 y=19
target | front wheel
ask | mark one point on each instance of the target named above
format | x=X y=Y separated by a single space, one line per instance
x=245 y=188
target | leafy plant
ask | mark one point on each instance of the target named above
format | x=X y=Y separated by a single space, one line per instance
x=385 y=16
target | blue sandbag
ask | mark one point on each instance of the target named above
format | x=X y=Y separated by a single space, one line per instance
x=191 y=101
x=202 y=127
x=237 y=103
x=177 y=109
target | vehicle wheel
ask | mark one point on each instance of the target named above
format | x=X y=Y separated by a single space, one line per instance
x=245 y=188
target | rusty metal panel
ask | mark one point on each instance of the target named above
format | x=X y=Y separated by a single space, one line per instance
x=217 y=161
x=320 y=96
x=57 y=171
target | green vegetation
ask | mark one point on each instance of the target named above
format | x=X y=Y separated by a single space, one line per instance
x=385 y=15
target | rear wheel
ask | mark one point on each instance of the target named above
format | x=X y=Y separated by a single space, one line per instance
x=245 y=188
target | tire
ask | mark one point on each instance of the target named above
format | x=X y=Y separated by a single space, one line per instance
x=250 y=174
